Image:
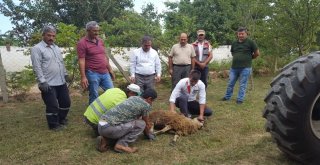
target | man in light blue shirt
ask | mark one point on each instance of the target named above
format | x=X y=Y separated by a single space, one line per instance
x=145 y=65
x=48 y=65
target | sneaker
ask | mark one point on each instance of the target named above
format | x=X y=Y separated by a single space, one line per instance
x=239 y=102
x=121 y=148
x=101 y=144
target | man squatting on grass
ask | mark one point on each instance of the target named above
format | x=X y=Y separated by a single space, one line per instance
x=106 y=101
x=184 y=96
x=47 y=63
x=123 y=122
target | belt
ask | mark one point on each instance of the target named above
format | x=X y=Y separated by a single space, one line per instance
x=141 y=75
x=181 y=65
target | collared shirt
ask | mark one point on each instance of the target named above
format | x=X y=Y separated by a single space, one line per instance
x=131 y=109
x=94 y=54
x=47 y=63
x=242 y=53
x=145 y=63
x=181 y=55
x=184 y=88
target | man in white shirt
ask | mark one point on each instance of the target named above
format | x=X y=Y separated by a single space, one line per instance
x=145 y=65
x=184 y=96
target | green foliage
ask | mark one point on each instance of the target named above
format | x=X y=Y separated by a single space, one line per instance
x=19 y=83
x=220 y=65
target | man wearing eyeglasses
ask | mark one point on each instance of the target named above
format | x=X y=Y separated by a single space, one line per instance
x=203 y=51
x=184 y=96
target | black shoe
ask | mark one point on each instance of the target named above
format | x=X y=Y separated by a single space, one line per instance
x=224 y=99
x=64 y=122
x=239 y=102
x=57 y=128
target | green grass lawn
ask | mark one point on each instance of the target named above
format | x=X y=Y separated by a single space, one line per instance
x=234 y=135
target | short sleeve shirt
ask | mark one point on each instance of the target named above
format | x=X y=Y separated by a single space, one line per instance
x=94 y=54
x=131 y=109
x=242 y=53
x=181 y=55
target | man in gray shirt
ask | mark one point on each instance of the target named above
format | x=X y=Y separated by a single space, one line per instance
x=51 y=75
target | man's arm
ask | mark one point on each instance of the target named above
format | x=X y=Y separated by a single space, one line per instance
x=192 y=62
x=113 y=76
x=84 y=80
x=256 y=54
x=170 y=65
x=158 y=67
x=36 y=64
x=202 y=107
x=133 y=63
x=148 y=125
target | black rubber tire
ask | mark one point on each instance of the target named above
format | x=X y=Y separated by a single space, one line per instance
x=291 y=103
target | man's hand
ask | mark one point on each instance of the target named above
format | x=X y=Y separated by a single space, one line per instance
x=67 y=78
x=202 y=65
x=132 y=79
x=157 y=78
x=151 y=136
x=84 y=82
x=113 y=76
x=170 y=72
x=44 y=87
x=201 y=119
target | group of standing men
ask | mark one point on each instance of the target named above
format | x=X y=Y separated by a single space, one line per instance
x=122 y=114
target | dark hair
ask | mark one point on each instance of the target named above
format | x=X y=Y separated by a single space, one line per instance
x=146 y=39
x=241 y=29
x=195 y=74
x=149 y=92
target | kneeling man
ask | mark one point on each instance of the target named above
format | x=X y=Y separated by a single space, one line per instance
x=124 y=123
x=184 y=96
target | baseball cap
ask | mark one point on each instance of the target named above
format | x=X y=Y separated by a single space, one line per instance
x=134 y=88
x=201 y=32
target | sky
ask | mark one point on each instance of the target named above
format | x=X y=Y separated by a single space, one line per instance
x=5 y=24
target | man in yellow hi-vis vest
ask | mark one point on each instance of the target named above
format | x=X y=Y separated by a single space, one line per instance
x=106 y=101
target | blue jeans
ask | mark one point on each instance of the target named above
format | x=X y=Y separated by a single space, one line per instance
x=204 y=75
x=95 y=80
x=235 y=73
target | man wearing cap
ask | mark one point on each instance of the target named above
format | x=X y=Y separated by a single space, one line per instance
x=145 y=65
x=95 y=69
x=181 y=60
x=48 y=65
x=243 y=50
x=184 y=96
x=203 y=55
x=106 y=101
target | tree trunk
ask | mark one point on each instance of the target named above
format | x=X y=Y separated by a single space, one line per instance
x=3 y=82
x=117 y=64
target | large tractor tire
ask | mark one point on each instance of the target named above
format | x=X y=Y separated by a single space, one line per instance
x=293 y=109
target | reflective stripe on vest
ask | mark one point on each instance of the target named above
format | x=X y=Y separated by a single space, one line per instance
x=101 y=106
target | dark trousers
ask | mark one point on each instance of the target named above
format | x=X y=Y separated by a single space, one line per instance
x=204 y=74
x=57 y=101
x=145 y=81
x=179 y=72
x=191 y=107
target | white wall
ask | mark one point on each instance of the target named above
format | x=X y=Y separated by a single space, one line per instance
x=15 y=60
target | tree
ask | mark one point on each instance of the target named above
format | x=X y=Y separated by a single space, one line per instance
x=30 y=16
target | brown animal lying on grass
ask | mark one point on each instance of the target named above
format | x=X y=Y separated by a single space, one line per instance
x=167 y=121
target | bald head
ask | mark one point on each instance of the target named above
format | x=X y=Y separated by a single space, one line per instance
x=183 y=39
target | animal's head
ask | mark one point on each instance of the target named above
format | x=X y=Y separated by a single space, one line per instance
x=197 y=123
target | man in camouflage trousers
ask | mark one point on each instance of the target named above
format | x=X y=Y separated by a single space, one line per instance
x=123 y=124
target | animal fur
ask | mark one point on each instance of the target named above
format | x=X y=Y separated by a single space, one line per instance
x=180 y=124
